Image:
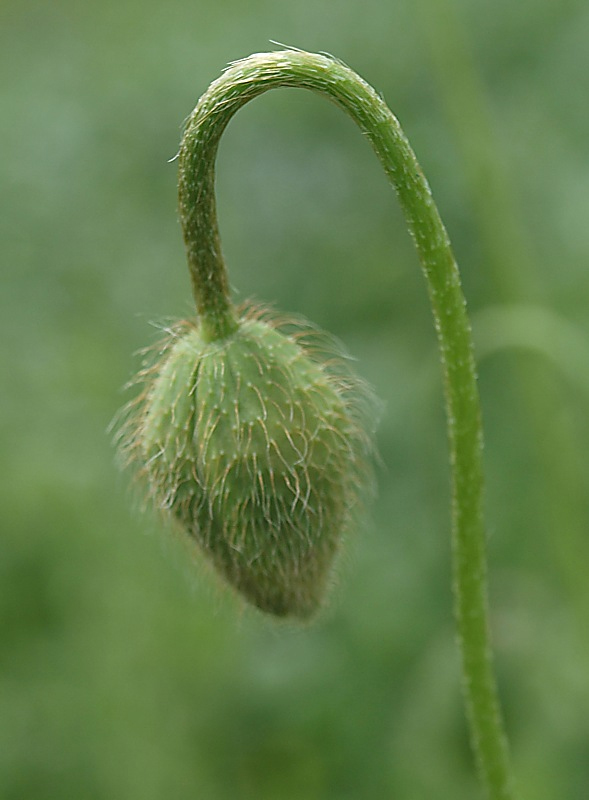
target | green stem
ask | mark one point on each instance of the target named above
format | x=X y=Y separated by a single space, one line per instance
x=242 y=82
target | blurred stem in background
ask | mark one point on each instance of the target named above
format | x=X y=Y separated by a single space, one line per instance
x=508 y=251
x=534 y=329
x=507 y=248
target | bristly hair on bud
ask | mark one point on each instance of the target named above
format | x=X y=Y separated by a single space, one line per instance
x=259 y=446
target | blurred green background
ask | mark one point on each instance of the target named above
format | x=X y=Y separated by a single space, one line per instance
x=124 y=671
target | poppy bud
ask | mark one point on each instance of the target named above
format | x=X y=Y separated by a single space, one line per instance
x=257 y=448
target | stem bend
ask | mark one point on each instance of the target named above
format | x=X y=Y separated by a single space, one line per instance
x=247 y=79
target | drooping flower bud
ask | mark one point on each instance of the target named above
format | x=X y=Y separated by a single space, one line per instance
x=258 y=448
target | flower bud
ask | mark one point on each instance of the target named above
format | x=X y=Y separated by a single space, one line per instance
x=258 y=449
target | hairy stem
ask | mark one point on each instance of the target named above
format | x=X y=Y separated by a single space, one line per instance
x=242 y=82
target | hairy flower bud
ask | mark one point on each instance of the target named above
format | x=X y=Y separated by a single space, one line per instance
x=258 y=449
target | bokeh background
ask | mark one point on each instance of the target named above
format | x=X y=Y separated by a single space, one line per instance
x=125 y=673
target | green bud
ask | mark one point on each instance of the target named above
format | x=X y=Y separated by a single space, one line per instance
x=257 y=446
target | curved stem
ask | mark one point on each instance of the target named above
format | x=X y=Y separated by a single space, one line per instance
x=242 y=82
